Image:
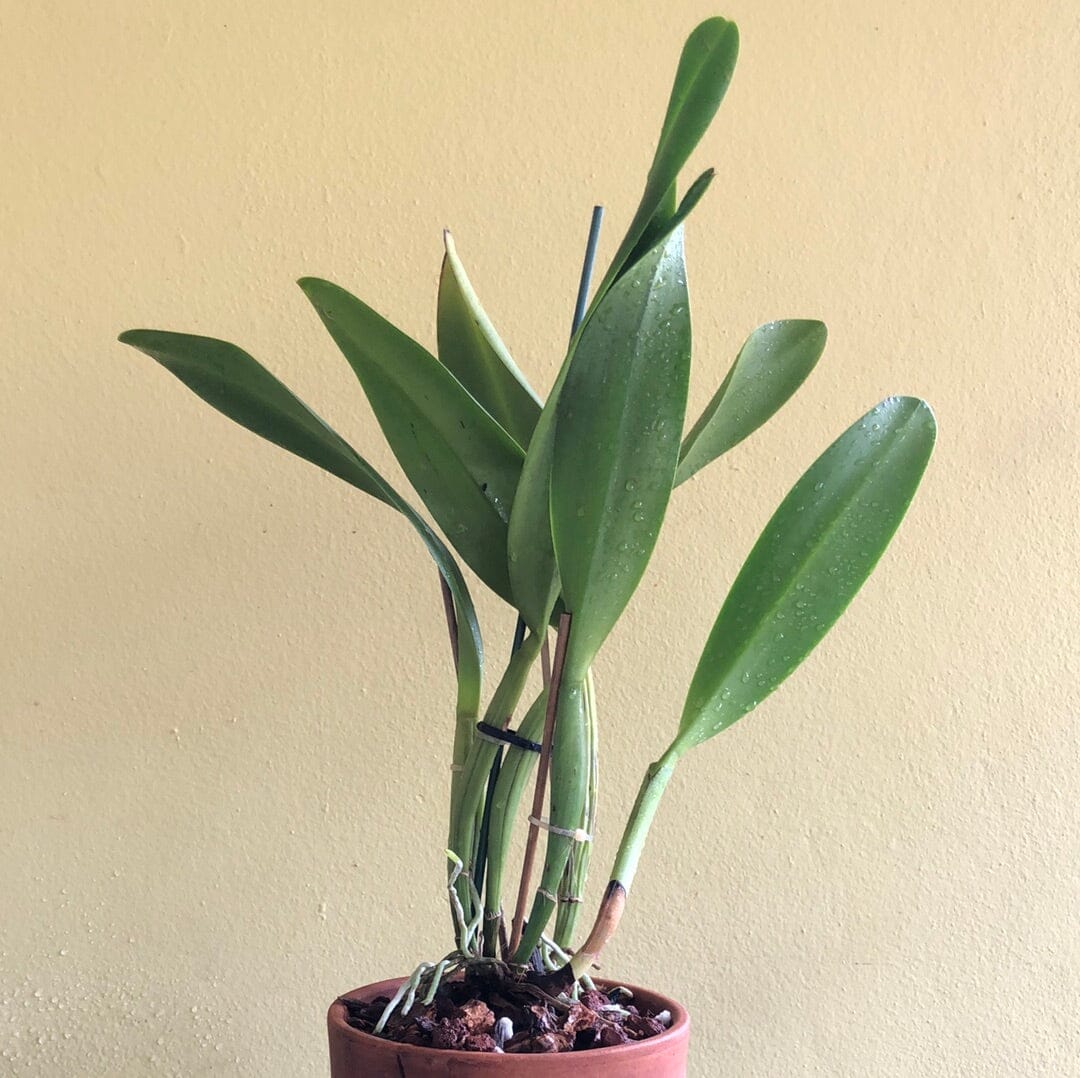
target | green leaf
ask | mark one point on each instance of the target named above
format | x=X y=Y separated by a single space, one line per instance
x=533 y=572
x=704 y=71
x=473 y=352
x=666 y=209
x=234 y=383
x=701 y=80
x=463 y=465
x=618 y=424
x=809 y=562
x=770 y=366
x=239 y=387
x=534 y=578
x=666 y=219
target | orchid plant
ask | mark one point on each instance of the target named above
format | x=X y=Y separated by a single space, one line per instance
x=556 y=506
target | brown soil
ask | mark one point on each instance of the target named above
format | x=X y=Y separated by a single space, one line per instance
x=465 y=1015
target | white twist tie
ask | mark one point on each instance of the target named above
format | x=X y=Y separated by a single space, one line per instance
x=578 y=834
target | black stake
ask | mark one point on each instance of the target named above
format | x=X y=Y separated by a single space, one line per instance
x=480 y=869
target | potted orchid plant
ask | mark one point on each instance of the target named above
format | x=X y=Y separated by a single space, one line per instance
x=556 y=504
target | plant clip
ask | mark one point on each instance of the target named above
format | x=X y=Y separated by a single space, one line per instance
x=507 y=737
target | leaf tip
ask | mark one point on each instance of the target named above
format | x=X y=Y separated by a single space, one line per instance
x=318 y=291
x=142 y=339
x=923 y=407
x=818 y=332
x=451 y=249
x=715 y=28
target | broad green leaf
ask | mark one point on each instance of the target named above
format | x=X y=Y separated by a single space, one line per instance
x=472 y=350
x=533 y=572
x=704 y=71
x=463 y=465
x=615 y=449
x=770 y=366
x=239 y=387
x=809 y=562
x=701 y=80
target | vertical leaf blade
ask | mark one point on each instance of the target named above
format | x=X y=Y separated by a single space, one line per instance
x=811 y=559
x=705 y=69
x=533 y=570
x=701 y=80
x=615 y=446
x=775 y=360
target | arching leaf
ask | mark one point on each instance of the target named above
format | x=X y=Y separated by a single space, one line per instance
x=770 y=366
x=463 y=465
x=239 y=387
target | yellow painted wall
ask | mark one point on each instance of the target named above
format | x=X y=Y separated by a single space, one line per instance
x=224 y=690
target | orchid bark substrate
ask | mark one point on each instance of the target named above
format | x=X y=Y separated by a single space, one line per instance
x=556 y=505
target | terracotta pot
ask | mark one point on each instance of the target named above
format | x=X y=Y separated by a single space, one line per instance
x=359 y=1055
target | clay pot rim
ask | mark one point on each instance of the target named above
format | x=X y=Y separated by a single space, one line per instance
x=680 y=1023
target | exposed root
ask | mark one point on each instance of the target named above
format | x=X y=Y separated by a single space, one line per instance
x=489 y=1006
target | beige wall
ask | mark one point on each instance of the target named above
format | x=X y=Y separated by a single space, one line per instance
x=224 y=691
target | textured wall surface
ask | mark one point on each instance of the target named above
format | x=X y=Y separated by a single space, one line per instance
x=224 y=689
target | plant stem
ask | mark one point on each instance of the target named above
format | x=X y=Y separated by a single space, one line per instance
x=554 y=692
x=509 y=789
x=569 y=794
x=641 y=816
x=469 y=807
x=571 y=892
x=626 y=860
x=493 y=777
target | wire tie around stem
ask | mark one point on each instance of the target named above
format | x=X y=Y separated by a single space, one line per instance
x=578 y=834
x=486 y=732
